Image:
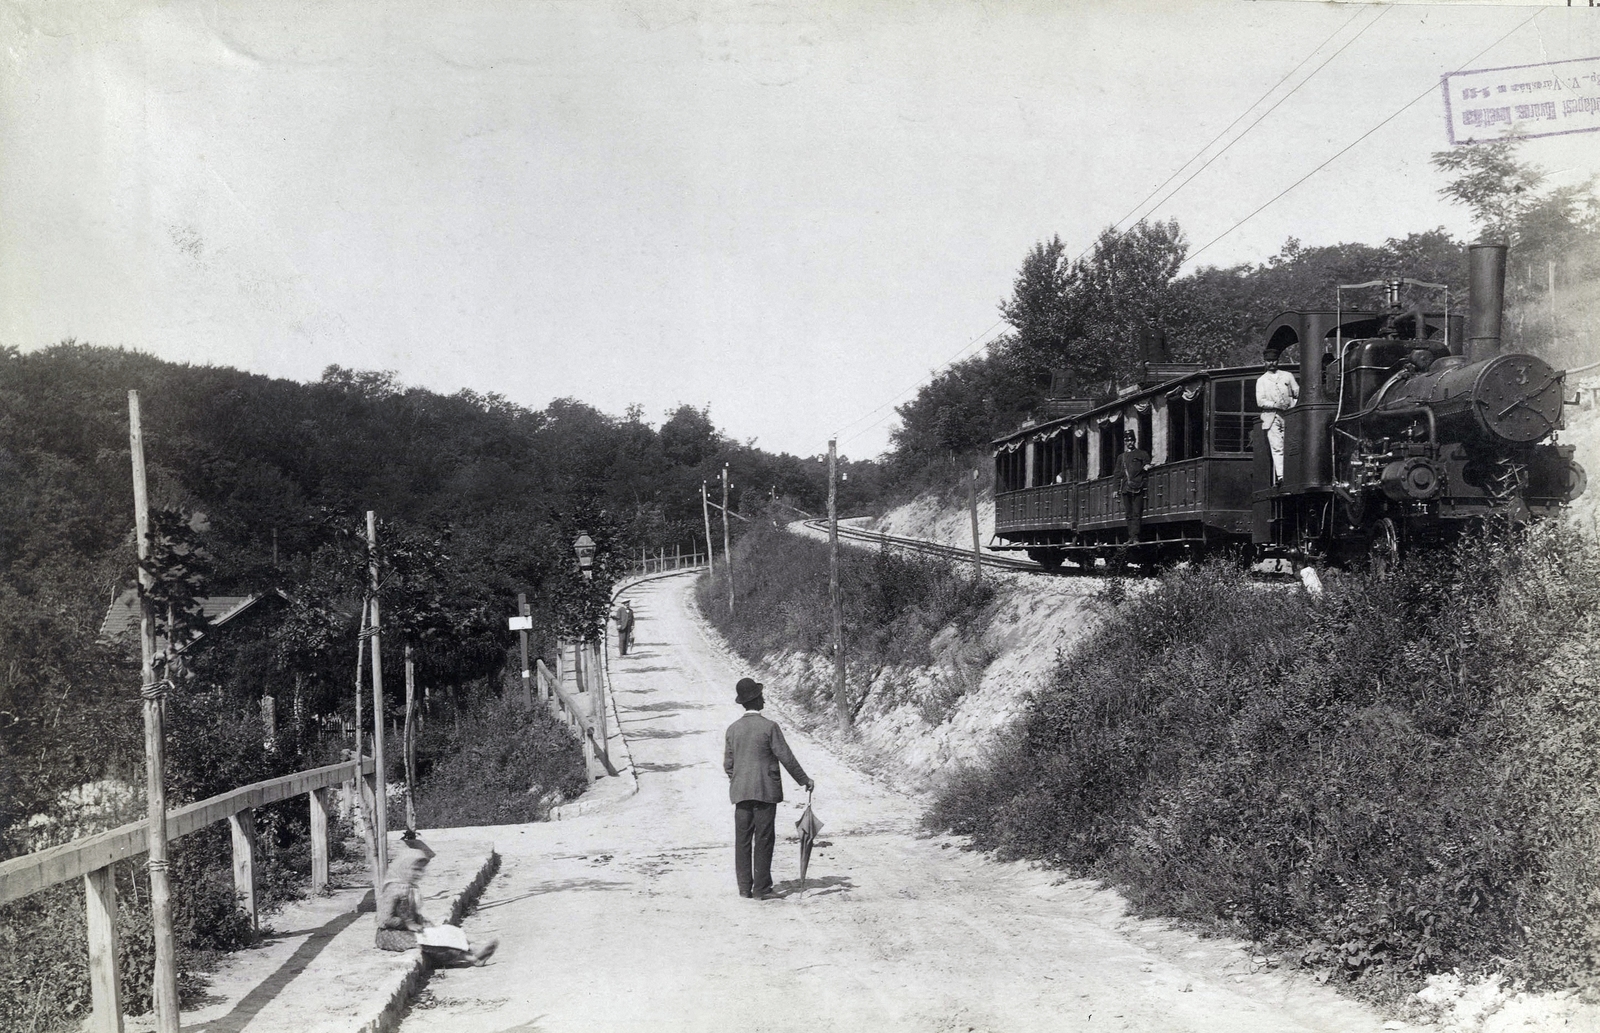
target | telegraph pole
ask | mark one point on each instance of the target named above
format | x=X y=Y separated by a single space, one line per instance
x=833 y=585
x=972 y=506
x=411 y=741
x=164 y=988
x=705 y=510
x=381 y=805
x=727 y=551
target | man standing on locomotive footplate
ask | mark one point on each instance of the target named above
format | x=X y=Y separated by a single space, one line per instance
x=1276 y=393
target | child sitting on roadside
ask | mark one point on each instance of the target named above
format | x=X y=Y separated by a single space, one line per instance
x=400 y=922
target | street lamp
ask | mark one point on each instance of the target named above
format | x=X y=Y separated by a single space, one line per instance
x=583 y=545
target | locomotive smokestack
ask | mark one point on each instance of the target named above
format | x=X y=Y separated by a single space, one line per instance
x=1488 y=285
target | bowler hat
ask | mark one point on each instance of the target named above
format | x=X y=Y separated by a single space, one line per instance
x=747 y=690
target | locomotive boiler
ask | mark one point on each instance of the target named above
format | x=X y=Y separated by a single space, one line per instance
x=1405 y=432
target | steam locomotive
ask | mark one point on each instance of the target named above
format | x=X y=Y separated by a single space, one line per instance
x=1406 y=432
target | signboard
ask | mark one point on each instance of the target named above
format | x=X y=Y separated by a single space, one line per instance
x=1552 y=98
x=520 y=623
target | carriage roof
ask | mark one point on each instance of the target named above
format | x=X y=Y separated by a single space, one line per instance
x=1105 y=409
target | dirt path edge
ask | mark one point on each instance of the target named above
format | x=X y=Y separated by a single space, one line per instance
x=395 y=996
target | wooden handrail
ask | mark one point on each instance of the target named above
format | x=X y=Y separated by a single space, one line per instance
x=570 y=708
x=26 y=875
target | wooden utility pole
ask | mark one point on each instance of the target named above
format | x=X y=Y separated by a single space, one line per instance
x=164 y=989
x=411 y=741
x=833 y=585
x=705 y=509
x=366 y=805
x=527 y=671
x=972 y=507
x=1553 y=337
x=727 y=551
x=381 y=789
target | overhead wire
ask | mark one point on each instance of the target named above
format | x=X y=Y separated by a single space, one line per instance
x=1347 y=147
x=1240 y=118
x=1209 y=161
x=971 y=344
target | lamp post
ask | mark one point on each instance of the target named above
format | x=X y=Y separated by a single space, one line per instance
x=583 y=546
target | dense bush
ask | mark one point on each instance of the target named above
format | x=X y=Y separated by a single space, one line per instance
x=1396 y=778
x=501 y=764
x=894 y=605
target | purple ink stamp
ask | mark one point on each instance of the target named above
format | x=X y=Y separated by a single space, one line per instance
x=1552 y=98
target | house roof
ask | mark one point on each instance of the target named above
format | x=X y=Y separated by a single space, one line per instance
x=121 y=622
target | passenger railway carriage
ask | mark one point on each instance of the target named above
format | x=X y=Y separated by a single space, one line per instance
x=1406 y=431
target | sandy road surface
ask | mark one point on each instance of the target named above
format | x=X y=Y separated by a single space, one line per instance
x=628 y=919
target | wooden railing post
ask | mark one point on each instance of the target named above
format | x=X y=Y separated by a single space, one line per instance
x=243 y=828
x=319 y=840
x=105 y=984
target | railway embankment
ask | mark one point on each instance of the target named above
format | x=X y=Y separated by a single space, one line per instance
x=1391 y=785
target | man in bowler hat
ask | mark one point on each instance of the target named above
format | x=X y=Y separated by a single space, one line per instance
x=754 y=747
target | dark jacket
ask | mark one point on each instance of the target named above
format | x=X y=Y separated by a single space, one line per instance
x=1130 y=471
x=752 y=751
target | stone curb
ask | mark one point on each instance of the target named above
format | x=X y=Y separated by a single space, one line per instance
x=398 y=992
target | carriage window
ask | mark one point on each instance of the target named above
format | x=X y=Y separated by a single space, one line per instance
x=1233 y=414
x=1185 y=428
x=1112 y=435
x=1080 y=457
x=1009 y=469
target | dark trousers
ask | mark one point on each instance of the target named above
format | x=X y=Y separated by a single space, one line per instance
x=1133 y=511
x=753 y=837
x=624 y=640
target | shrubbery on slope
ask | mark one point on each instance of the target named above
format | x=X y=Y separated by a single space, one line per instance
x=1395 y=779
x=894 y=605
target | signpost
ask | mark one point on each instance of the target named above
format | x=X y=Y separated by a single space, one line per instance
x=523 y=625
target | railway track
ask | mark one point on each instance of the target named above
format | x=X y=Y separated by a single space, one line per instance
x=927 y=548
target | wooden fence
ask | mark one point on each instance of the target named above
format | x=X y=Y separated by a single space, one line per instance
x=92 y=857
x=587 y=718
x=663 y=561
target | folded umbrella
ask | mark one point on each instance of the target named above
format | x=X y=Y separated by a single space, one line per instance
x=809 y=826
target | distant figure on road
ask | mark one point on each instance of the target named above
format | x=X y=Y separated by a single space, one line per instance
x=400 y=922
x=624 y=619
x=1131 y=466
x=753 y=750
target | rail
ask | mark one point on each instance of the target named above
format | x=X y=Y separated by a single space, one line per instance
x=662 y=563
x=92 y=857
x=927 y=548
x=565 y=708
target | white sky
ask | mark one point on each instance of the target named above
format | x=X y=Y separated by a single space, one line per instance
x=789 y=212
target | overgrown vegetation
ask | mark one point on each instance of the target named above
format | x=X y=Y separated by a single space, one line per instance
x=1392 y=780
x=895 y=608
x=259 y=486
x=498 y=765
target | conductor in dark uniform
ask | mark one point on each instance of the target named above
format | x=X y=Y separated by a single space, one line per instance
x=1130 y=480
x=753 y=750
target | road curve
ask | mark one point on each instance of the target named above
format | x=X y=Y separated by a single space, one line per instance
x=628 y=918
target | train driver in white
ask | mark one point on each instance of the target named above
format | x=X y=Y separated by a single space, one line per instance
x=1277 y=391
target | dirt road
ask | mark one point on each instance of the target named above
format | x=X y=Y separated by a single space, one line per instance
x=628 y=918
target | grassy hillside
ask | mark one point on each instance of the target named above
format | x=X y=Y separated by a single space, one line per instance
x=1392 y=780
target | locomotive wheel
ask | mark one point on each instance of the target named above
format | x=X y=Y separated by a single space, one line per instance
x=1049 y=559
x=1383 y=548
